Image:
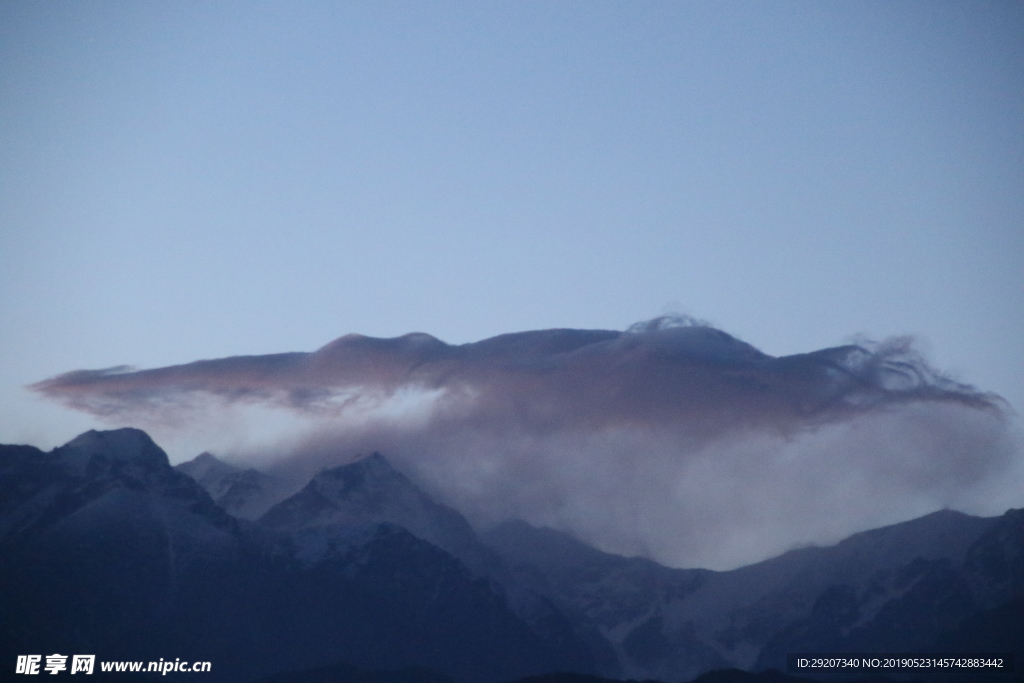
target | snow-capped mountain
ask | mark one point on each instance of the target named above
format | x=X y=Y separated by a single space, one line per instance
x=95 y=479
x=368 y=492
x=107 y=550
x=906 y=587
x=245 y=494
x=103 y=541
x=340 y=505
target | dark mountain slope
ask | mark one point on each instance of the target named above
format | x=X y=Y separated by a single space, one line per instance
x=672 y=623
x=343 y=500
x=107 y=550
x=969 y=601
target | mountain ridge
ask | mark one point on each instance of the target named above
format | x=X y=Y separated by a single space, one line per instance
x=244 y=493
x=130 y=559
x=354 y=567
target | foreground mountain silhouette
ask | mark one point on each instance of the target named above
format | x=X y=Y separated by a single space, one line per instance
x=105 y=549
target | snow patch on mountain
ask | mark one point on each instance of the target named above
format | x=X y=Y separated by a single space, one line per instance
x=244 y=493
x=371 y=491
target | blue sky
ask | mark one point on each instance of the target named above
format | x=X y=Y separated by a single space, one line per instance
x=196 y=180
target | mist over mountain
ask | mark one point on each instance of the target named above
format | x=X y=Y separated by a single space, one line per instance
x=107 y=549
x=671 y=440
x=245 y=493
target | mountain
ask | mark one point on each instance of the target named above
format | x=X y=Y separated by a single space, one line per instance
x=85 y=481
x=905 y=587
x=994 y=569
x=106 y=549
x=245 y=494
x=345 y=500
x=99 y=539
x=613 y=593
x=971 y=602
x=371 y=491
x=894 y=589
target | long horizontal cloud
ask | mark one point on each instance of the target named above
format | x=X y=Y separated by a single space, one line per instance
x=668 y=369
x=672 y=439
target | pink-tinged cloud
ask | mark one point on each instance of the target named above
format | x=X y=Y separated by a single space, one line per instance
x=671 y=440
x=661 y=372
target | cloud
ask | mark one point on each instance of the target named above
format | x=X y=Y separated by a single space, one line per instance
x=663 y=371
x=672 y=439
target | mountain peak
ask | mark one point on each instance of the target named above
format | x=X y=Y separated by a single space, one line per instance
x=105 y=475
x=206 y=465
x=132 y=447
x=207 y=458
x=371 y=491
x=244 y=493
x=372 y=475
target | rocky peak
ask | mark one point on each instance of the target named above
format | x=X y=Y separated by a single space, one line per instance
x=246 y=494
x=371 y=481
x=114 y=475
x=95 y=451
x=371 y=491
x=368 y=490
x=206 y=465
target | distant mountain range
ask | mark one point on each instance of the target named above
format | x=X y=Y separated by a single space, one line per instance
x=106 y=549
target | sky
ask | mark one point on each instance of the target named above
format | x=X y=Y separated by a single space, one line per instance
x=192 y=180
